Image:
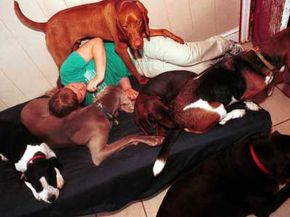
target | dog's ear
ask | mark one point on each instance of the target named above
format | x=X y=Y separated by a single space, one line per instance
x=55 y=163
x=126 y=104
x=145 y=18
x=120 y=31
x=162 y=116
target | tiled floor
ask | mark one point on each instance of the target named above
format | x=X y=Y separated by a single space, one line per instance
x=279 y=107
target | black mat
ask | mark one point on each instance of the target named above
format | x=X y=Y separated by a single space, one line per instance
x=124 y=177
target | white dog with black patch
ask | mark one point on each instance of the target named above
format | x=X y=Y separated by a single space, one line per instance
x=36 y=161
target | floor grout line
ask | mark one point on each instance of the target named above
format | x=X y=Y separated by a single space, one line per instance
x=282 y=122
x=144 y=208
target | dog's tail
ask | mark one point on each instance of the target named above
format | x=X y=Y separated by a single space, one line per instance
x=31 y=24
x=169 y=140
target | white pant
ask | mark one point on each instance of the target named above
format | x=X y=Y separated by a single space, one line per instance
x=162 y=54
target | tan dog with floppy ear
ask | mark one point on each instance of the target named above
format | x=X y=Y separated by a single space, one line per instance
x=123 y=21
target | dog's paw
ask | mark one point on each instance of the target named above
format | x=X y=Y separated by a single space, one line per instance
x=157 y=140
x=223 y=121
x=3 y=158
x=237 y=113
x=153 y=140
x=252 y=106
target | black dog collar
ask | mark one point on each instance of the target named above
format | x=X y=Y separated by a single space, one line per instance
x=109 y=115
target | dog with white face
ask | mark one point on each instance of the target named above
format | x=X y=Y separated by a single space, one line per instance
x=37 y=163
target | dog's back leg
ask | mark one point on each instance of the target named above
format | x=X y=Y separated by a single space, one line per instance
x=59 y=49
x=160 y=162
x=100 y=152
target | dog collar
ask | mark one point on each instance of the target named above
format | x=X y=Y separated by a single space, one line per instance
x=258 y=162
x=109 y=115
x=262 y=58
x=38 y=156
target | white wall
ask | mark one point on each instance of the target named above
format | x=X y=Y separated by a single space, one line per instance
x=27 y=69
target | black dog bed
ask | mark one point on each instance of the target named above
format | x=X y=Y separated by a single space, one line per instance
x=125 y=176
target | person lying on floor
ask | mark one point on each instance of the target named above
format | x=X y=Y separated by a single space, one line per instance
x=84 y=73
x=96 y=65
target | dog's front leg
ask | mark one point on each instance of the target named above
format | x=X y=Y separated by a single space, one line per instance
x=252 y=106
x=166 y=33
x=281 y=196
x=269 y=205
x=237 y=113
x=100 y=152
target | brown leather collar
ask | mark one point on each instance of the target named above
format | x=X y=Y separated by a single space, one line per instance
x=262 y=58
x=109 y=115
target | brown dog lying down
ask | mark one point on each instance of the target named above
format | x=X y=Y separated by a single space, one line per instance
x=202 y=103
x=88 y=126
x=241 y=180
x=276 y=51
x=123 y=21
x=152 y=112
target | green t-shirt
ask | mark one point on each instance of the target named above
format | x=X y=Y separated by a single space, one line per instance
x=76 y=69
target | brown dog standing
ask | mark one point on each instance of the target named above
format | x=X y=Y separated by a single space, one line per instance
x=123 y=21
x=276 y=50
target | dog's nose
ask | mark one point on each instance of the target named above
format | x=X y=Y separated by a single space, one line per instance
x=138 y=43
x=51 y=198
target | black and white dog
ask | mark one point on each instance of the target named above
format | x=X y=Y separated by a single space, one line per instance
x=251 y=176
x=36 y=161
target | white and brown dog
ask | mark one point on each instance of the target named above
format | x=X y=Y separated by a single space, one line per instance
x=36 y=162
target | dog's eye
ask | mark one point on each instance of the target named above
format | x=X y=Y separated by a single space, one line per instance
x=139 y=22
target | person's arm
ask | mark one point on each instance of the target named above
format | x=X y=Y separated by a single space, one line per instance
x=125 y=85
x=99 y=55
x=94 y=49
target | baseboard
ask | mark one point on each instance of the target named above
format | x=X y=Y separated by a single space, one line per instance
x=232 y=34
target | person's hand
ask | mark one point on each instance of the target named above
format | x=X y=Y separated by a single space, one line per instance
x=131 y=94
x=93 y=84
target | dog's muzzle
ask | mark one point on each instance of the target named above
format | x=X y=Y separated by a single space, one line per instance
x=49 y=193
